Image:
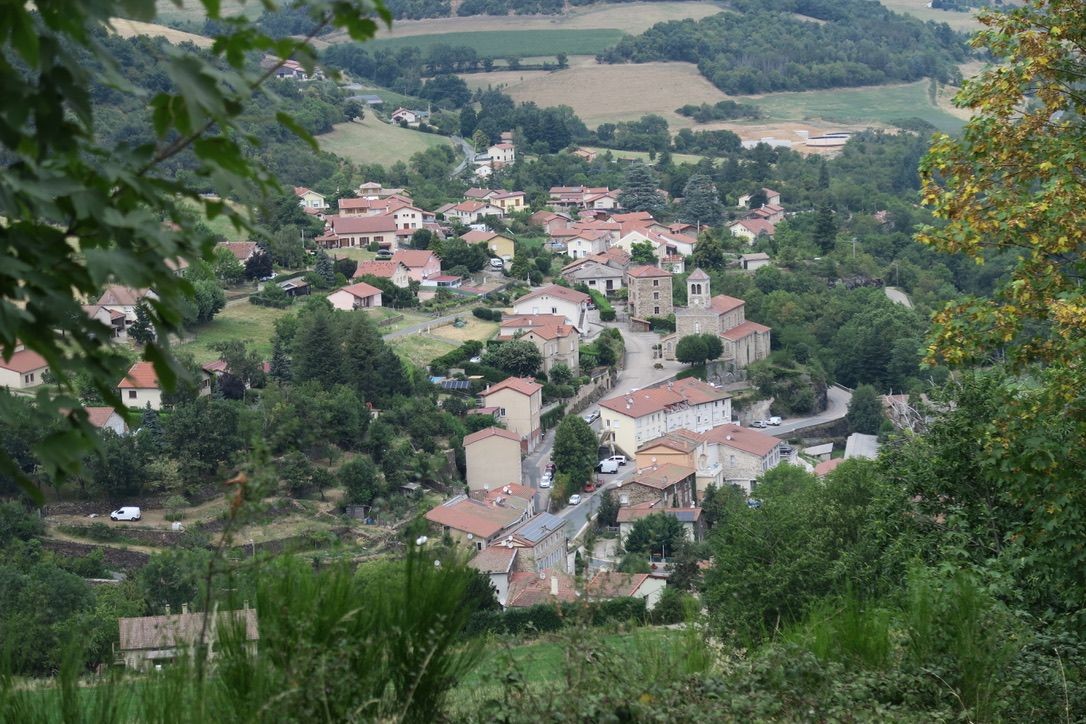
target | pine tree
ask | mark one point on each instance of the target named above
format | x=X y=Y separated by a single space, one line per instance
x=701 y=202
x=639 y=190
x=280 y=363
x=468 y=121
x=150 y=430
x=142 y=331
x=825 y=231
x=317 y=354
x=824 y=175
x=864 y=411
x=325 y=269
x=370 y=366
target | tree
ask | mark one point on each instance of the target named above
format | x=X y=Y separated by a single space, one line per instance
x=353 y=111
x=370 y=366
x=279 y=369
x=865 y=411
x=228 y=269
x=287 y=247
x=607 y=515
x=468 y=121
x=480 y=140
x=118 y=471
x=656 y=534
x=345 y=266
x=640 y=190
x=825 y=230
x=692 y=350
x=643 y=252
x=360 y=479
x=141 y=331
x=575 y=449
x=516 y=357
x=318 y=350
x=560 y=374
x=701 y=202
x=241 y=362
x=259 y=265
x=758 y=199
x=563 y=60
x=421 y=239
x=325 y=270
x=708 y=252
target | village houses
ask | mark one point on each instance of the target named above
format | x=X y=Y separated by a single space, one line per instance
x=637 y=417
x=140 y=387
x=355 y=296
x=492 y=457
x=557 y=342
x=743 y=341
x=519 y=403
x=421 y=264
x=555 y=299
x=604 y=272
x=500 y=245
x=394 y=271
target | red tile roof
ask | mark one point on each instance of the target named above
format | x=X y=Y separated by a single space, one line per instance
x=414 y=258
x=646 y=271
x=23 y=361
x=471 y=516
x=361 y=290
x=756 y=226
x=241 y=250
x=382 y=269
x=744 y=330
x=523 y=385
x=362 y=224
x=682 y=440
x=722 y=303
x=662 y=477
x=743 y=438
x=475 y=236
x=554 y=290
x=612 y=584
x=826 y=467
x=141 y=376
x=697 y=392
x=494 y=559
x=529 y=589
x=99 y=416
x=116 y=295
x=643 y=402
x=488 y=432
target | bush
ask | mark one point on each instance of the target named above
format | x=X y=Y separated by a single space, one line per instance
x=491 y=315
x=271 y=295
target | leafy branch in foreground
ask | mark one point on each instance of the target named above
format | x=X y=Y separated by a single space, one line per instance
x=79 y=215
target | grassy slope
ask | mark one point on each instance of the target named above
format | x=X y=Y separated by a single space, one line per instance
x=239 y=321
x=373 y=141
x=509 y=43
x=883 y=104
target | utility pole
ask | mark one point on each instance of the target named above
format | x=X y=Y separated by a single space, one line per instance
x=854 y=247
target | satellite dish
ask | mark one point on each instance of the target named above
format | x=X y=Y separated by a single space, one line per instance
x=471 y=537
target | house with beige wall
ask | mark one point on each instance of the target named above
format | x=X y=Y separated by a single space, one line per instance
x=493 y=458
x=140 y=386
x=23 y=369
x=744 y=454
x=633 y=419
x=355 y=296
x=500 y=245
x=670 y=485
x=394 y=271
x=557 y=342
x=473 y=523
x=520 y=403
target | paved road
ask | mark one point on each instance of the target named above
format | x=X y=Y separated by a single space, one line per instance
x=898 y=296
x=838 y=400
x=469 y=154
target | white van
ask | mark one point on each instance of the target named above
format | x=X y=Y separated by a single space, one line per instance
x=774 y=420
x=129 y=512
x=607 y=466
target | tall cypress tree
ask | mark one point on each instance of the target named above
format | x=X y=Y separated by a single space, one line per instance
x=370 y=366
x=639 y=190
x=701 y=202
x=318 y=354
x=280 y=363
x=825 y=231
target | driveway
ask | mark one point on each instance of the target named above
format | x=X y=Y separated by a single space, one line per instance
x=469 y=154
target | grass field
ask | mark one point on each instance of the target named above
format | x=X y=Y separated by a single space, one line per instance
x=633 y=18
x=373 y=141
x=242 y=321
x=510 y=43
x=419 y=349
x=964 y=22
x=131 y=28
x=644 y=155
x=880 y=104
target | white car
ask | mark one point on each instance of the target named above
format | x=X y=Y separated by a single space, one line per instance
x=592 y=417
x=497 y=264
x=758 y=423
x=129 y=512
x=574 y=499
x=620 y=459
x=545 y=483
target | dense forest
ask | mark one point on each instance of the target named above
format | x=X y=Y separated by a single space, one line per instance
x=767 y=48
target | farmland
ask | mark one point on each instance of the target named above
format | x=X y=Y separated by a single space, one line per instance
x=373 y=141
x=132 y=28
x=963 y=22
x=510 y=43
x=631 y=18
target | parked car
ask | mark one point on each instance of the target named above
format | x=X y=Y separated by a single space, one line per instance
x=607 y=466
x=574 y=499
x=589 y=487
x=758 y=423
x=497 y=263
x=774 y=420
x=547 y=477
x=545 y=483
x=384 y=255
x=128 y=512
x=592 y=417
x=620 y=459
x=551 y=467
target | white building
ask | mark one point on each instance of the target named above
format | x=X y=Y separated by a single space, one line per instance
x=637 y=417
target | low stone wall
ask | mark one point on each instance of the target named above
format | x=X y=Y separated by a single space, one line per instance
x=115 y=558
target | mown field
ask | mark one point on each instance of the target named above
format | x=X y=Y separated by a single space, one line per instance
x=374 y=141
x=632 y=18
x=964 y=22
x=510 y=43
x=879 y=104
x=132 y=28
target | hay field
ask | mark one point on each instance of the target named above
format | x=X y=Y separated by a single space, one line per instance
x=611 y=93
x=192 y=11
x=132 y=28
x=633 y=18
x=963 y=22
x=373 y=141
x=511 y=42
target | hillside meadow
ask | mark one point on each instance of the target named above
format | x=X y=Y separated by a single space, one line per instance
x=374 y=141
x=510 y=43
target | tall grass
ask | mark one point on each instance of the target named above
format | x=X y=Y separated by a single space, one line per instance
x=332 y=648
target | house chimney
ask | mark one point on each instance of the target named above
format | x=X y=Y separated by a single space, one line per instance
x=554 y=586
x=184 y=608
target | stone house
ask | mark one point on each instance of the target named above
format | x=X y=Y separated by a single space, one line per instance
x=744 y=454
x=149 y=641
x=557 y=342
x=650 y=292
x=669 y=485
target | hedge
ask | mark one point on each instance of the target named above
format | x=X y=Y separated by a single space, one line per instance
x=552 y=418
x=545 y=618
x=491 y=315
x=607 y=312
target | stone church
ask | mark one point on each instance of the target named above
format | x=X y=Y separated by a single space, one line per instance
x=744 y=342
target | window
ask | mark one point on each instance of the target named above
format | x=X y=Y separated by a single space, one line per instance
x=131 y=394
x=656 y=295
x=554 y=310
x=27 y=379
x=501 y=412
x=656 y=311
x=655 y=282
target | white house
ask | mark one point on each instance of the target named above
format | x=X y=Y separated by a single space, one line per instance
x=23 y=369
x=637 y=417
x=140 y=387
x=554 y=299
x=310 y=199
